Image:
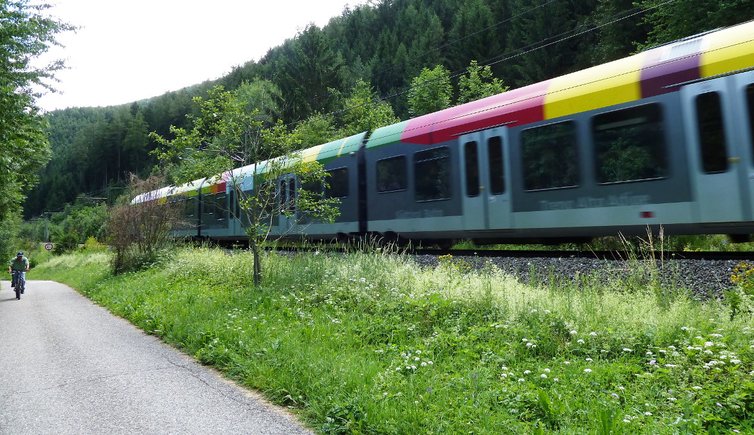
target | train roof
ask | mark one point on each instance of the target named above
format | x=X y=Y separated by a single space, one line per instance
x=321 y=153
x=205 y=185
x=653 y=72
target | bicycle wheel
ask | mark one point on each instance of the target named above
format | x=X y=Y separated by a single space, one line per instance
x=18 y=290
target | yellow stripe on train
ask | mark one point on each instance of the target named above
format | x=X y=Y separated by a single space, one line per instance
x=729 y=50
x=601 y=86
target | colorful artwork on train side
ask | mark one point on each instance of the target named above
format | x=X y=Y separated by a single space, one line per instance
x=654 y=72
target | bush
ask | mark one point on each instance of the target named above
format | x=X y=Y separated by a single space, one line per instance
x=140 y=233
x=66 y=242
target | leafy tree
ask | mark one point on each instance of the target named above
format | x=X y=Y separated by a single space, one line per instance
x=307 y=72
x=365 y=111
x=478 y=82
x=423 y=48
x=264 y=97
x=620 y=33
x=540 y=39
x=25 y=33
x=315 y=130
x=669 y=21
x=225 y=136
x=430 y=91
x=473 y=35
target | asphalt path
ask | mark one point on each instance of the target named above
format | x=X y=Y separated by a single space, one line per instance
x=67 y=366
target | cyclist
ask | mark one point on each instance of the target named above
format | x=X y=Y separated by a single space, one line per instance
x=20 y=264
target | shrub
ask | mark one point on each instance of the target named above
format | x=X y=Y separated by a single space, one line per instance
x=140 y=233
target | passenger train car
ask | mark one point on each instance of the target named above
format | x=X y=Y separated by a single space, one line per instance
x=661 y=138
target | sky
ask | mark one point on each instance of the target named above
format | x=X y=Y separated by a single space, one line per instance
x=128 y=50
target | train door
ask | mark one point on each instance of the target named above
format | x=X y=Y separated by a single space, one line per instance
x=496 y=148
x=486 y=201
x=287 y=205
x=717 y=174
x=744 y=106
x=472 y=182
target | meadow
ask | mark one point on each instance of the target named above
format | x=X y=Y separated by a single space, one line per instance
x=370 y=342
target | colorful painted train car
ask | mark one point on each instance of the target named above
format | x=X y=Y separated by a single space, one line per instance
x=661 y=138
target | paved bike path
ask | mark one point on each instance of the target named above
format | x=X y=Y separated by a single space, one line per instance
x=68 y=366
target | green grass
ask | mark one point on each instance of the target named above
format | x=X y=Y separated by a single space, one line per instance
x=714 y=242
x=371 y=343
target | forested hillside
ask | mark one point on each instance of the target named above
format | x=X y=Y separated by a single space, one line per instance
x=386 y=44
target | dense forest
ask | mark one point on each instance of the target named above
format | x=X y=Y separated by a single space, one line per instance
x=386 y=45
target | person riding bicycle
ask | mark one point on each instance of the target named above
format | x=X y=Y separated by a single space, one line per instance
x=19 y=264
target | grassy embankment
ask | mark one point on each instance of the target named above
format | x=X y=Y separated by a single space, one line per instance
x=372 y=343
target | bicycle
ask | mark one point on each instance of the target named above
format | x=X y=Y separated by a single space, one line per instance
x=18 y=283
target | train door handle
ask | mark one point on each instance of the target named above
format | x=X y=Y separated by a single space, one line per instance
x=733 y=160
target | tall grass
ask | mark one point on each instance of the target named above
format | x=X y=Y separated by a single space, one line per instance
x=373 y=343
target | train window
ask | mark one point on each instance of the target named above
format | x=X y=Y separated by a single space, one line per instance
x=292 y=195
x=629 y=144
x=471 y=155
x=709 y=114
x=550 y=156
x=432 y=174
x=188 y=218
x=221 y=207
x=283 y=195
x=750 y=99
x=315 y=187
x=391 y=174
x=338 y=182
x=190 y=207
x=497 y=170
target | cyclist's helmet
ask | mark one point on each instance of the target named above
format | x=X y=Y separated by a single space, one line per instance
x=20 y=254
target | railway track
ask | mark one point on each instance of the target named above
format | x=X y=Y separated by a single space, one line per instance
x=601 y=255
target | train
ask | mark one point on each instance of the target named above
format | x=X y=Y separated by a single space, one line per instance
x=659 y=139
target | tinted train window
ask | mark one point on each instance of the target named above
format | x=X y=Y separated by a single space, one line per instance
x=432 y=174
x=292 y=195
x=338 y=182
x=550 y=157
x=287 y=195
x=471 y=155
x=629 y=144
x=190 y=207
x=391 y=174
x=283 y=195
x=188 y=218
x=214 y=210
x=750 y=99
x=711 y=133
x=497 y=170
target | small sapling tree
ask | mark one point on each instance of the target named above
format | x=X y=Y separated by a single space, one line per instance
x=258 y=159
